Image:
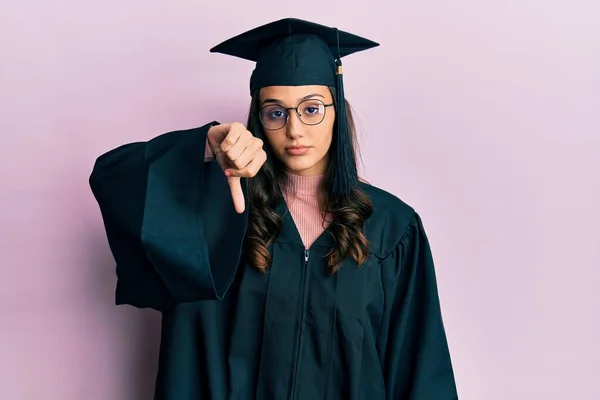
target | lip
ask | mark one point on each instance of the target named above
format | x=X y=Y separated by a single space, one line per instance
x=297 y=150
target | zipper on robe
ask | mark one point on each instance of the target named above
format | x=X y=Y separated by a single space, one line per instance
x=299 y=341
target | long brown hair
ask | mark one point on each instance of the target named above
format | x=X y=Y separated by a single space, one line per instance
x=348 y=213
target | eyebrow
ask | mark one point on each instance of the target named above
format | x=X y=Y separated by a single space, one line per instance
x=277 y=101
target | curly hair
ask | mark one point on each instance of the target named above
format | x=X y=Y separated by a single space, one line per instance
x=347 y=213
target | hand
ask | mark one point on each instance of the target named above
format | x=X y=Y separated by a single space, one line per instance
x=239 y=154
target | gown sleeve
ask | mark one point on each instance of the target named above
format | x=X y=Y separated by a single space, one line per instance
x=169 y=220
x=417 y=362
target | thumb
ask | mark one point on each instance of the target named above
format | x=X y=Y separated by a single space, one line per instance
x=235 y=186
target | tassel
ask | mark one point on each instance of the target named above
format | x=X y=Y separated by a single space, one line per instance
x=345 y=172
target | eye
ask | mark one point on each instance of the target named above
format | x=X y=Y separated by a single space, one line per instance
x=312 y=109
x=273 y=113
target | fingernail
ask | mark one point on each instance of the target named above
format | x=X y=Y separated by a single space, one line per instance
x=227 y=173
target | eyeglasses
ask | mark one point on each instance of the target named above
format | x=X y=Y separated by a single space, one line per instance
x=310 y=112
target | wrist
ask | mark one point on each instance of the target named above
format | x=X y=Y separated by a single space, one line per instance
x=208 y=151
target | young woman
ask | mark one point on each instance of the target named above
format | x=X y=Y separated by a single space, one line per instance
x=279 y=274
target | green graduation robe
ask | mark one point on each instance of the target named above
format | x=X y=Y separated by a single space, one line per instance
x=295 y=332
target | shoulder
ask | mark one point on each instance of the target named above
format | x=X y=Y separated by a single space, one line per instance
x=389 y=222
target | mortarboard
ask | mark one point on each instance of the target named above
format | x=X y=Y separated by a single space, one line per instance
x=294 y=52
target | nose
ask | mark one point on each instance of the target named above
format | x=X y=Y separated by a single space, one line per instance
x=294 y=126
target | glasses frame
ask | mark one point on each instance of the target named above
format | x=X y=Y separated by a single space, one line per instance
x=287 y=111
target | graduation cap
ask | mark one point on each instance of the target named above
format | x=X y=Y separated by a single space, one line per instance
x=294 y=52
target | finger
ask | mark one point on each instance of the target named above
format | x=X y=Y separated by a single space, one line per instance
x=249 y=153
x=220 y=129
x=237 y=195
x=233 y=135
x=251 y=169
x=217 y=133
x=244 y=145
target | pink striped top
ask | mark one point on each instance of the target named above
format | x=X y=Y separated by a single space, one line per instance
x=302 y=201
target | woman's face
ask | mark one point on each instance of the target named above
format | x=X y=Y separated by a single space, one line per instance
x=303 y=149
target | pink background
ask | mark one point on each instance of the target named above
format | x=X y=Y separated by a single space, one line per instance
x=483 y=115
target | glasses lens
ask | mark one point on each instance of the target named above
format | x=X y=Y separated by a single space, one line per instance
x=312 y=111
x=273 y=116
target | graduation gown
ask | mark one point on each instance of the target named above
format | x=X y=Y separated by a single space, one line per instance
x=296 y=332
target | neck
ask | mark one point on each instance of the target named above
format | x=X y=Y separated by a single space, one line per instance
x=301 y=194
x=303 y=185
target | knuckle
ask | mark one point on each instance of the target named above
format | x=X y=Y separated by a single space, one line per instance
x=226 y=143
x=233 y=160
x=238 y=164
